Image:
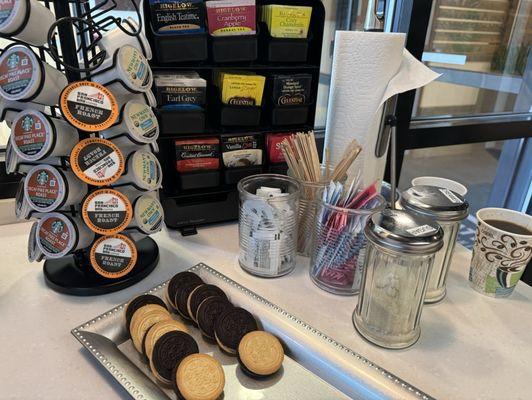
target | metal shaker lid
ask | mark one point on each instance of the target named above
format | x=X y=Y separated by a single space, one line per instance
x=404 y=232
x=435 y=202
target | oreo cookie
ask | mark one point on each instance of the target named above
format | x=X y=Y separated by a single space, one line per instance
x=260 y=354
x=208 y=312
x=180 y=279
x=231 y=326
x=201 y=293
x=181 y=298
x=168 y=352
x=138 y=302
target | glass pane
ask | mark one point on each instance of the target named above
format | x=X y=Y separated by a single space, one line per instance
x=482 y=48
x=481 y=167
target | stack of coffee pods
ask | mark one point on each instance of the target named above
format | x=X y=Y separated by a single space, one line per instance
x=173 y=355
x=98 y=194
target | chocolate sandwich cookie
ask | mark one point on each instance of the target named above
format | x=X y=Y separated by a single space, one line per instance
x=158 y=330
x=143 y=319
x=168 y=352
x=180 y=279
x=260 y=354
x=208 y=312
x=181 y=299
x=231 y=326
x=138 y=302
x=199 y=294
x=208 y=378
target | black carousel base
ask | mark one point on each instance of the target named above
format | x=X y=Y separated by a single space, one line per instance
x=72 y=275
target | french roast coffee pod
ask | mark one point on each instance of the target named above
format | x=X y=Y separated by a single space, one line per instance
x=25 y=77
x=47 y=188
x=113 y=256
x=89 y=106
x=59 y=235
x=143 y=171
x=97 y=161
x=36 y=136
x=107 y=211
x=128 y=72
x=25 y=20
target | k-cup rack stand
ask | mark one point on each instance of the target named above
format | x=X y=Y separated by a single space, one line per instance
x=71 y=47
x=199 y=198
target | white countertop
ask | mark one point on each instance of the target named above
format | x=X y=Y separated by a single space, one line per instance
x=471 y=346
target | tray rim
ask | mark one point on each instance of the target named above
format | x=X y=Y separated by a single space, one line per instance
x=78 y=331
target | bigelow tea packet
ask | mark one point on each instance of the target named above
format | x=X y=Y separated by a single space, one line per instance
x=285 y=21
x=231 y=17
x=177 y=16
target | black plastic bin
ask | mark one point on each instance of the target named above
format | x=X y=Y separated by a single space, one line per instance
x=238 y=48
x=198 y=180
x=175 y=122
x=290 y=115
x=235 y=175
x=170 y=49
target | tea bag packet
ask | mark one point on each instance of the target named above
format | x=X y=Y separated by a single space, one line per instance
x=287 y=21
x=241 y=150
x=291 y=90
x=240 y=88
x=231 y=17
x=181 y=91
x=177 y=17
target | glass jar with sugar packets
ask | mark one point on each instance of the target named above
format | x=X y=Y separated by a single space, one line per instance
x=448 y=208
x=268 y=224
x=399 y=257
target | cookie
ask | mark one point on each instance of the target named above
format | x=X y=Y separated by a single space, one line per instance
x=208 y=312
x=181 y=299
x=138 y=302
x=158 y=330
x=143 y=319
x=168 y=352
x=260 y=354
x=199 y=377
x=199 y=294
x=231 y=326
x=180 y=279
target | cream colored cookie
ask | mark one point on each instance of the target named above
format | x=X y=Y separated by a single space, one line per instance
x=200 y=377
x=261 y=353
x=158 y=330
x=143 y=319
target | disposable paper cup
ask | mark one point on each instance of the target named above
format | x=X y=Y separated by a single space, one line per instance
x=137 y=126
x=127 y=72
x=116 y=38
x=24 y=77
x=10 y=109
x=143 y=171
x=36 y=136
x=440 y=182
x=47 y=188
x=499 y=257
x=59 y=234
x=26 y=20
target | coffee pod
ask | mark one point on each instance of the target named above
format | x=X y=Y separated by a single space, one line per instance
x=59 y=234
x=113 y=256
x=127 y=72
x=89 y=106
x=97 y=161
x=143 y=172
x=117 y=38
x=25 y=77
x=48 y=188
x=34 y=253
x=36 y=136
x=148 y=215
x=107 y=211
x=10 y=109
x=147 y=98
x=14 y=164
x=137 y=126
x=25 y=20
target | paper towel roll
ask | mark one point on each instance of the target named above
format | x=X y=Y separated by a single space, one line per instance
x=368 y=68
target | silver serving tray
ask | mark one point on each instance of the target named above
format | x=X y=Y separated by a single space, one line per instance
x=316 y=366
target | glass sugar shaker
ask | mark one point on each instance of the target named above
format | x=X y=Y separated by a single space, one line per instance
x=448 y=209
x=399 y=258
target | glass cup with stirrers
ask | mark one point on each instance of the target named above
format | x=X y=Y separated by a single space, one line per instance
x=302 y=157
